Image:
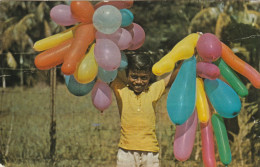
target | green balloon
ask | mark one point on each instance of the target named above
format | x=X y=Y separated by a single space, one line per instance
x=231 y=78
x=221 y=138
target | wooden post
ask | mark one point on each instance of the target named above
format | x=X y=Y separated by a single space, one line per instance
x=53 y=115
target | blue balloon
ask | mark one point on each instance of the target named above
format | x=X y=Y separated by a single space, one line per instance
x=223 y=98
x=127 y=17
x=124 y=62
x=106 y=76
x=77 y=88
x=182 y=95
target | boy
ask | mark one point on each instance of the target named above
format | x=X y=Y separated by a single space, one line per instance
x=136 y=100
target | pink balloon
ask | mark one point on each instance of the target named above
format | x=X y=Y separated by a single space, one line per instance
x=107 y=54
x=121 y=38
x=207 y=70
x=138 y=35
x=61 y=15
x=209 y=47
x=184 y=138
x=207 y=139
x=101 y=95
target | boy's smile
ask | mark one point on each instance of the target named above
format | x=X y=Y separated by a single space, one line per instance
x=138 y=80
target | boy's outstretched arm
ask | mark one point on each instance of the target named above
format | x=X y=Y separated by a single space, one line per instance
x=170 y=77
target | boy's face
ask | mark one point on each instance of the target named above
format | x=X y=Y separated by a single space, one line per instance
x=138 y=80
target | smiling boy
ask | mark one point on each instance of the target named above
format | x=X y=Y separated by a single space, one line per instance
x=136 y=99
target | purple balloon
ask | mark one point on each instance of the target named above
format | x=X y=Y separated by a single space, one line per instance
x=61 y=15
x=107 y=54
x=138 y=35
x=207 y=70
x=184 y=138
x=121 y=38
x=209 y=47
x=101 y=95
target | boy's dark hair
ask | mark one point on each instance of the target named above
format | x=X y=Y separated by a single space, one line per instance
x=140 y=62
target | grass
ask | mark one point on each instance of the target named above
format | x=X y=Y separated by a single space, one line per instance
x=85 y=137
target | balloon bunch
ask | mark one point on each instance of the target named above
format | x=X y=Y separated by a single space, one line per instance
x=205 y=89
x=92 y=51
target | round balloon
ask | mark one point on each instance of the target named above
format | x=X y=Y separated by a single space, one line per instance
x=107 y=19
x=138 y=35
x=61 y=15
x=101 y=95
x=121 y=38
x=82 y=11
x=106 y=76
x=117 y=4
x=107 y=54
x=76 y=88
x=124 y=62
x=209 y=47
x=127 y=17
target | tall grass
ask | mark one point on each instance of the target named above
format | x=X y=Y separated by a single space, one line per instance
x=85 y=137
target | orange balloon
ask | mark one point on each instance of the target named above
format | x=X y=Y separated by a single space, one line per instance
x=83 y=37
x=82 y=11
x=52 y=57
x=240 y=66
x=117 y=4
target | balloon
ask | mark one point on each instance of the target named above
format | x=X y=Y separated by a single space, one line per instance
x=107 y=19
x=83 y=37
x=53 y=40
x=209 y=47
x=88 y=68
x=76 y=88
x=82 y=11
x=223 y=98
x=61 y=15
x=184 y=138
x=117 y=4
x=127 y=17
x=222 y=139
x=201 y=102
x=124 y=61
x=182 y=95
x=231 y=77
x=240 y=66
x=138 y=35
x=106 y=76
x=107 y=54
x=121 y=38
x=101 y=95
x=207 y=70
x=52 y=57
x=207 y=141
x=182 y=50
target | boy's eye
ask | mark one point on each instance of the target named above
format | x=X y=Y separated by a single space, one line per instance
x=134 y=76
x=144 y=78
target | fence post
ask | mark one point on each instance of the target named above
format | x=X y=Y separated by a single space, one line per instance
x=53 y=115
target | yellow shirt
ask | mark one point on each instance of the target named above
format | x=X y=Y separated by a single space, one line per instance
x=138 y=116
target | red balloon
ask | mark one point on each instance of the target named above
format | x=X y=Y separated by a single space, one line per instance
x=118 y=4
x=207 y=70
x=101 y=95
x=82 y=11
x=209 y=47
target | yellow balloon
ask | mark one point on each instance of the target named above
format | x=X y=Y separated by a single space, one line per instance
x=53 y=40
x=182 y=50
x=201 y=102
x=88 y=68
